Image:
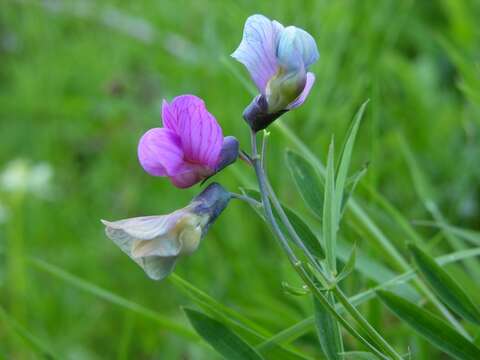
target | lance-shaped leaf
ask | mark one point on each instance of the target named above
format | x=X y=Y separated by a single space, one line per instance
x=446 y=288
x=330 y=223
x=431 y=327
x=307 y=181
x=304 y=231
x=349 y=265
x=221 y=338
x=346 y=155
x=328 y=331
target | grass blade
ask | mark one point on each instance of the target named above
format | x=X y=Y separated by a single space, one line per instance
x=307 y=181
x=113 y=298
x=358 y=355
x=30 y=340
x=431 y=327
x=469 y=235
x=221 y=338
x=446 y=288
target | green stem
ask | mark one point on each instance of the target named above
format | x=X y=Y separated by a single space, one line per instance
x=379 y=340
x=296 y=263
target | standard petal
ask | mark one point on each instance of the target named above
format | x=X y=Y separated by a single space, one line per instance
x=169 y=116
x=304 y=94
x=200 y=135
x=160 y=152
x=171 y=112
x=296 y=49
x=258 y=48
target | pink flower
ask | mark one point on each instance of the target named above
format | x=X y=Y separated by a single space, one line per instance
x=190 y=146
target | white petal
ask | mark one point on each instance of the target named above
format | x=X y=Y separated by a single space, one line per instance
x=146 y=227
x=148 y=242
x=157 y=268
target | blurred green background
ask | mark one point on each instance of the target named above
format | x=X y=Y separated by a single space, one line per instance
x=81 y=81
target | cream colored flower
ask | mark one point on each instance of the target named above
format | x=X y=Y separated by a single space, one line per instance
x=156 y=242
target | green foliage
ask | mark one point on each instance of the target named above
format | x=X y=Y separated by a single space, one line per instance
x=80 y=82
x=435 y=330
x=447 y=289
x=328 y=331
x=307 y=181
x=221 y=338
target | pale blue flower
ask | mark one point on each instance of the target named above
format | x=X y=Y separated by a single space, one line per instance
x=277 y=59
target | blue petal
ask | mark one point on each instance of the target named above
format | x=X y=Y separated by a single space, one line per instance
x=258 y=49
x=297 y=49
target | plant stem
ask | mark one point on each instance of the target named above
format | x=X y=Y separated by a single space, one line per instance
x=297 y=264
x=247 y=199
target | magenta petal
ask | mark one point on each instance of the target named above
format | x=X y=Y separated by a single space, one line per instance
x=171 y=113
x=201 y=136
x=310 y=79
x=190 y=174
x=168 y=116
x=258 y=49
x=159 y=152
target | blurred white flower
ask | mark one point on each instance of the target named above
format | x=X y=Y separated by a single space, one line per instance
x=21 y=176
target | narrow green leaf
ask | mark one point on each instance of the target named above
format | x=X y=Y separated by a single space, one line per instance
x=329 y=212
x=221 y=338
x=345 y=158
x=446 y=288
x=307 y=181
x=435 y=330
x=296 y=330
x=30 y=340
x=202 y=299
x=304 y=231
x=469 y=235
x=328 y=331
x=358 y=355
x=426 y=193
x=349 y=265
x=309 y=239
x=350 y=189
